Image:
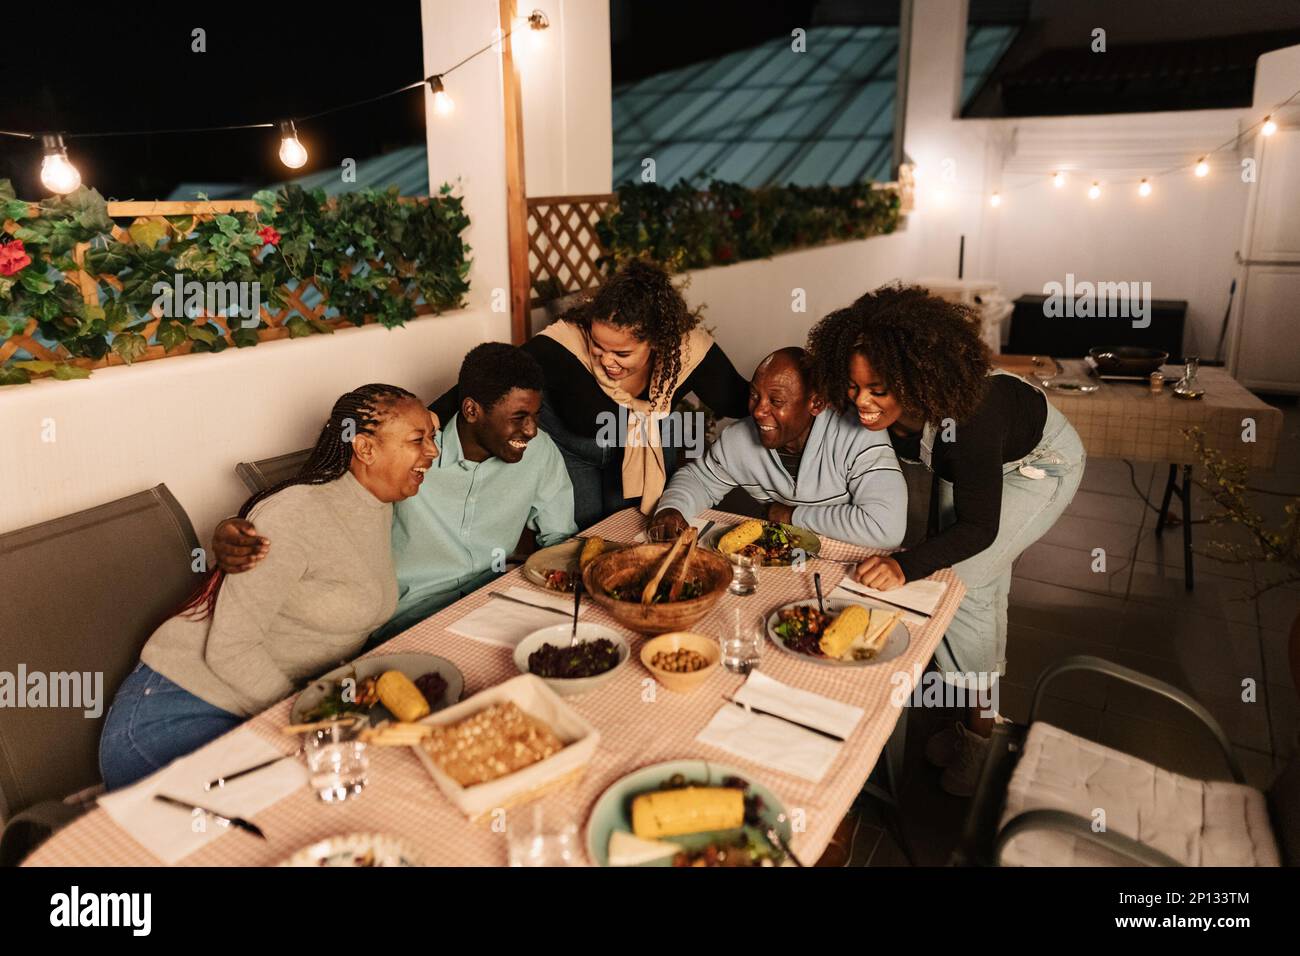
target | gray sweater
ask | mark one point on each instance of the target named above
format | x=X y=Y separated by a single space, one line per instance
x=849 y=484
x=326 y=582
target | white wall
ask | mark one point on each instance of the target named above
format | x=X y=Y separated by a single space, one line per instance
x=187 y=421
x=567 y=99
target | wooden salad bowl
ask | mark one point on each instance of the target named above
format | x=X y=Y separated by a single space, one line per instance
x=632 y=567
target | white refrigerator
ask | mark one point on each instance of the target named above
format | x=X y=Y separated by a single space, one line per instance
x=1264 y=344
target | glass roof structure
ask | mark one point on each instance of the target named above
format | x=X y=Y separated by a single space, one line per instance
x=768 y=115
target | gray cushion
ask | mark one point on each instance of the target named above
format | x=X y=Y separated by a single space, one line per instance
x=83 y=594
x=269 y=472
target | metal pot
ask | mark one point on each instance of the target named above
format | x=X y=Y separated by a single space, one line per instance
x=1128 y=360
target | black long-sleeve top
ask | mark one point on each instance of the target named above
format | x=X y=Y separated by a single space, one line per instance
x=1007 y=426
x=577 y=398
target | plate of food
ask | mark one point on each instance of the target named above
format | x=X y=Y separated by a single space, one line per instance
x=774 y=545
x=367 y=686
x=687 y=813
x=560 y=566
x=571 y=667
x=356 y=850
x=846 y=635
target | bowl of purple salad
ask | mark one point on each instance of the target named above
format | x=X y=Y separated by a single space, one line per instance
x=573 y=666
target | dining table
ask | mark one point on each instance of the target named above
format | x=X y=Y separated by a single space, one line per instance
x=636 y=728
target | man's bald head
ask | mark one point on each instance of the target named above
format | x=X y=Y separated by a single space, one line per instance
x=782 y=401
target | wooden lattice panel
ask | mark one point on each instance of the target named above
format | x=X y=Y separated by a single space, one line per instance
x=562 y=242
x=88 y=287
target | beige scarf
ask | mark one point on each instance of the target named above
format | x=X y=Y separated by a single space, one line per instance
x=644 y=473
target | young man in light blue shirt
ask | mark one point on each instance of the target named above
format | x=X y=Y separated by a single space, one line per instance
x=495 y=475
x=813 y=467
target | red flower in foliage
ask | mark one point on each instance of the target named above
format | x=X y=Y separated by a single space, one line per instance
x=736 y=214
x=269 y=236
x=13 y=257
x=724 y=253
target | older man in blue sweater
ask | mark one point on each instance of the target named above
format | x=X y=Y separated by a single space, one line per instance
x=812 y=466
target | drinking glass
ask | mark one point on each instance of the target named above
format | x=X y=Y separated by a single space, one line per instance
x=540 y=836
x=337 y=761
x=744 y=574
x=741 y=640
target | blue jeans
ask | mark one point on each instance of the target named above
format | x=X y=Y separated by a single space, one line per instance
x=596 y=471
x=151 y=723
x=974 y=650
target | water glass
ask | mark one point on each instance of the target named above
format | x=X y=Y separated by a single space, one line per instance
x=538 y=836
x=337 y=761
x=741 y=641
x=744 y=574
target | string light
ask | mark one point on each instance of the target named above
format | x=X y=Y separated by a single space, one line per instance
x=1058 y=179
x=1094 y=191
x=1202 y=168
x=58 y=175
x=995 y=200
x=1144 y=188
x=1269 y=127
x=292 y=153
x=442 y=103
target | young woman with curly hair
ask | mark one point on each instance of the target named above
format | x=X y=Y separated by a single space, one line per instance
x=613 y=366
x=1007 y=463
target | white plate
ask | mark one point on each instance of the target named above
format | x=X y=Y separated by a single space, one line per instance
x=559 y=634
x=412 y=665
x=894 y=646
x=357 y=850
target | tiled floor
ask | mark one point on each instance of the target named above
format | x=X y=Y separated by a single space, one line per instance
x=1227 y=650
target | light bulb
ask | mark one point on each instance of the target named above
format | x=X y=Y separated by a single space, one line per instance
x=1269 y=127
x=442 y=103
x=292 y=153
x=995 y=200
x=1144 y=188
x=1058 y=180
x=1202 y=168
x=58 y=175
x=1094 y=191
x=537 y=24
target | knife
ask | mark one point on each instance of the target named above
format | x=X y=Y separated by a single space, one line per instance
x=217 y=817
x=872 y=597
x=540 y=607
x=768 y=713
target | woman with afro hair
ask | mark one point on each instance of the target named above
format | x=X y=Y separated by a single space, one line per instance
x=1007 y=464
x=615 y=367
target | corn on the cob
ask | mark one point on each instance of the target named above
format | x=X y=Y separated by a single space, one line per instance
x=745 y=533
x=851 y=623
x=591 y=550
x=403 y=698
x=688 y=810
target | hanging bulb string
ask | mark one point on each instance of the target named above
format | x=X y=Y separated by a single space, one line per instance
x=238 y=126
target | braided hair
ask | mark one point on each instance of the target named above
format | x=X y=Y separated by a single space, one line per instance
x=359 y=412
x=641 y=298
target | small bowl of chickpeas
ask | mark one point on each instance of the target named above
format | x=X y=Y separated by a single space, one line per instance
x=681 y=660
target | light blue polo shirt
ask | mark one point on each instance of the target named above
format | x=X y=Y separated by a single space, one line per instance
x=468 y=514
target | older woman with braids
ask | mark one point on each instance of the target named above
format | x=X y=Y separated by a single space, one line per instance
x=243 y=642
x=614 y=367
x=1007 y=463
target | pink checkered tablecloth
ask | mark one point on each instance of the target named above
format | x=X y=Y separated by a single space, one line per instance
x=403 y=801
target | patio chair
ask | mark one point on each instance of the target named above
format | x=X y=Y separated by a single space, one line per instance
x=260 y=475
x=1041 y=788
x=86 y=591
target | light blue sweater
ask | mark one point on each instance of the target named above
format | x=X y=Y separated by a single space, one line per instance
x=849 y=484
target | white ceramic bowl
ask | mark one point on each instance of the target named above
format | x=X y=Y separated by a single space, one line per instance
x=558 y=634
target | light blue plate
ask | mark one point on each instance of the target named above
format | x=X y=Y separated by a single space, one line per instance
x=613 y=811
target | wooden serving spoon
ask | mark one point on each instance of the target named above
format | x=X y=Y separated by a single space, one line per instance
x=648 y=593
x=679 y=580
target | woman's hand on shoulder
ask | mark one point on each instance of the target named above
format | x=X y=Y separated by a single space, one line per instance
x=237 y=546
x=881 y=572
